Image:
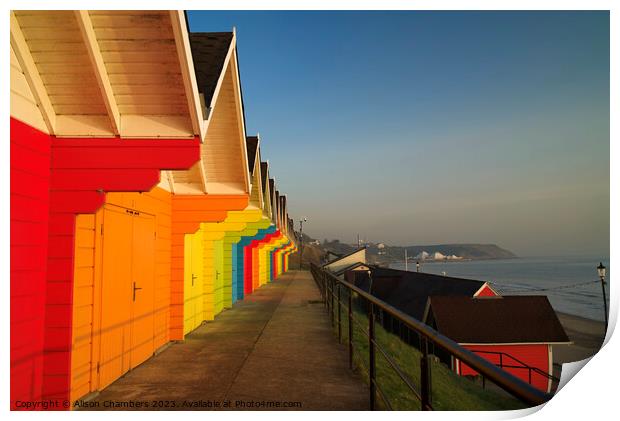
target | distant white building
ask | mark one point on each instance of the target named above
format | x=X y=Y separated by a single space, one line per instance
x=422 y=256
x=437 y=256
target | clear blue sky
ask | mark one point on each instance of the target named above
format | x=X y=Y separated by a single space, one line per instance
x=433 y=127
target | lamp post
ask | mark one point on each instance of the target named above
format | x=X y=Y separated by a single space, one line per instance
x=301 y=240
x=601 y=274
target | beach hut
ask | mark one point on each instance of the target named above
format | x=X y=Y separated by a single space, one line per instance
x=211 y=190
x=86 y=137
x=517 y=333
x=250 y=233
x=223 y=234
x=409 y=291
x=251 y=263
x=344 y=261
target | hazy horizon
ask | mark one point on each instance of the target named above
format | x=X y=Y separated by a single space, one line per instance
x=416 y=128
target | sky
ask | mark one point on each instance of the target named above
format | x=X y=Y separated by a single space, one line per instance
x=414 y=128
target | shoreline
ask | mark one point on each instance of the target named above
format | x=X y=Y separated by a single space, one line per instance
x=586 y=334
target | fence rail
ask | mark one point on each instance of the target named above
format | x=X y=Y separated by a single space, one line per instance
x=332 y=290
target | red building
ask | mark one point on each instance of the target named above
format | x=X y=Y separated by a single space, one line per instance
x=517 y=333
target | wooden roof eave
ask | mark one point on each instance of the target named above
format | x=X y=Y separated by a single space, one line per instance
x=230 y=59
x=181 y=38
x=258 y=177
x=33 y=78
x=112 y=122
x=267 y=193
x=240 y=115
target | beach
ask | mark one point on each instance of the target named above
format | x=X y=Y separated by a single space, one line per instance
x=587 y=336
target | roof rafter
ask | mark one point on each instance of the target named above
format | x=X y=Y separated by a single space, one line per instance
x=170 y=180
x=239 y=108
x=220 y=80
x=184 y=51
x=22 y=51
x=96 y=59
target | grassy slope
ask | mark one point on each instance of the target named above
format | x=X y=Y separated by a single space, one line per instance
x=449 y=391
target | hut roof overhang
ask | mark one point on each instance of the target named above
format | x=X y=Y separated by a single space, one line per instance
x=92 y=73
x=223 y=168
x=497 y=320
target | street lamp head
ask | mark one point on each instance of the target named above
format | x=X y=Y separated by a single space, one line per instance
x=601 y=270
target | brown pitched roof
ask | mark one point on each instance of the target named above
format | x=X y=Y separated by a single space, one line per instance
x=251 y=145
x=342 y=256
x=350 y=267
x=507 y=319
x=409 y=291
x=263 y=174
x=209 y=50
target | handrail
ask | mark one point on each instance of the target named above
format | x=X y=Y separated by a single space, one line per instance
x=523 y=365
x=510 y=383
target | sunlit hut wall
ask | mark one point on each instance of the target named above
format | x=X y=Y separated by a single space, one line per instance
x=282 y=222
x=228 y=232
x=267 y=205
x=276 y=241
x=262 y=256
x=275 y=202
x=245 y=253
x=209 y=191
x=253 y=218
x=257 y=259
x=266 y=250
x=247 y=235
x=81 y=126
x=250 y=256
x=263 y=263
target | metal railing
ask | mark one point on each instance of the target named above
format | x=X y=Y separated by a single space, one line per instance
x=520 y=365
x=332 y=290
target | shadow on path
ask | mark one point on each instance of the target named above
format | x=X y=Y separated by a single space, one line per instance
x=273 y=351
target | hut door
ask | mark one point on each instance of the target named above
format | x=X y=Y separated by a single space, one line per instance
x=218 y=275
x=127 y=292
x=142 y=289
x=194 y=282
x=115 y=300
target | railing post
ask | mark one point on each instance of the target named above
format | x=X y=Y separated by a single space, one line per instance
x=425 y=378
x=339 y=319
x=326 y=291
x=371 y=355
x=331 y=297
x=350 y=329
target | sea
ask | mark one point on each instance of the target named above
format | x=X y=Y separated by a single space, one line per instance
x=571 y=283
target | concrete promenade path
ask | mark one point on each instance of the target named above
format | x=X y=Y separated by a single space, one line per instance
x=275 y=347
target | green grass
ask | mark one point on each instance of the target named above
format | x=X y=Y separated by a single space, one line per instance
x=449 y=391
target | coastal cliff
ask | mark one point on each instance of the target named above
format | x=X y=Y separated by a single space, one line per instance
x=382 y=253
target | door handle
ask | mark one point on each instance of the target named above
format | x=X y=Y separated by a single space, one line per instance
x=217 y=274
x=135 y=288
x=193 y=277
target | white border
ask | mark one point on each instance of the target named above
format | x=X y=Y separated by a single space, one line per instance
x=591 y=394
